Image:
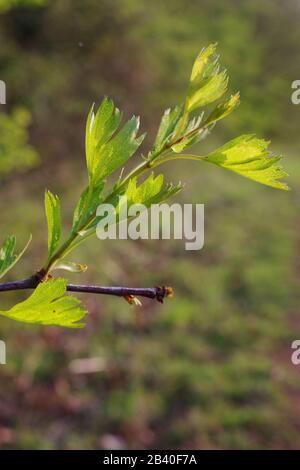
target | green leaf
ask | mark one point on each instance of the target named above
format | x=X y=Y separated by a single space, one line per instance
x=223 y=109
x=192 y=134
x=7 y=257
x=143 y=193
x=49 y=306
x=168 y=191
x=249 y=157
x=107 y=150
x=150 y=191
x=87 y=205
x=52 y=209
x=207 y=84
x=167 y=127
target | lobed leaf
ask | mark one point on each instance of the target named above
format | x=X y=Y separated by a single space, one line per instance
x=150 y=191
x=249 y=157
x=107 y=150
x=223 y=109
x=207 y=84
x=48 y=305
x=192 y=134
x=143 y=193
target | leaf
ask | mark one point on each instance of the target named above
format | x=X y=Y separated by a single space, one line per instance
x=143 y=193
x=105 y=150
x=150 y=191
x=223 y=109
x=49 y=306
x=7 y=257
x=192 y=134
x=206 y=83
x=249 y=157
x=210 y=90
x=71 y=267
x=167 y=127
x=168 y=191
x=87 y=205
x=52 y=209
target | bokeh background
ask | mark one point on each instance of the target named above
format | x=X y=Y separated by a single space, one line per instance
x=210 y=368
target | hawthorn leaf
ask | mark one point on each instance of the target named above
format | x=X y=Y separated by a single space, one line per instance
x=150 y=191
x=192 y=134
x=52 y=210
x=48 y=305
x=209 y=91
x=166 y=128
x=249 y=157
x=207 y=84
x=87 y=205
x=143 y=193
x=7 y=256
x=223 y=109
x=106 y=149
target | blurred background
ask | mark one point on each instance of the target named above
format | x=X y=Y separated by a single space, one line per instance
x=211 y=367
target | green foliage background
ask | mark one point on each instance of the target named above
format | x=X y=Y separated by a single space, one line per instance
x=211 y=368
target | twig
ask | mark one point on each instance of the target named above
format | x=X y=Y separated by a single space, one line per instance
x=129 y=293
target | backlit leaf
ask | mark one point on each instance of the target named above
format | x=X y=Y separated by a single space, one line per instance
x=87 y=205
x=107 y=149
x=52 y=209
x=223 y=109
x=48 y=305
x=167 y=126
x=207 y=84
x=249 y=157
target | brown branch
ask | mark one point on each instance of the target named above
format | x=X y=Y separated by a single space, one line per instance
x=129 y=293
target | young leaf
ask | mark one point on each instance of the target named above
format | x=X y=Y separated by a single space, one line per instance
x=249 y=157
x=192 y=134
x=87 y=205
x=105 y=152
x=223 y=109
x=166 y=129
x=7 y=257
x=49 y=306
x=52 y=209
x=206 y=83
x=150 y=191
x=143 y=193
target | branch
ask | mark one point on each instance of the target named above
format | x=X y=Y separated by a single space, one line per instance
x=129 y=293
